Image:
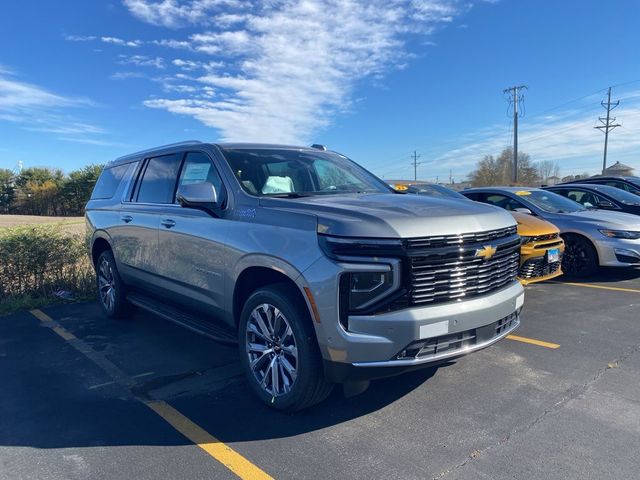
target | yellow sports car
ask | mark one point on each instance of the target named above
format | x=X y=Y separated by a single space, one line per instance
x=542 y=247
x=541 y=250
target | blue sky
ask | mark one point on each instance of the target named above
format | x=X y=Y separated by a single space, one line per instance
x=85 y=81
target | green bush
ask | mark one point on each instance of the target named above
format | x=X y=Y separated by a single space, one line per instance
x=38 y=262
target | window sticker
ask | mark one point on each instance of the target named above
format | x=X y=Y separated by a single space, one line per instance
x=196 y=173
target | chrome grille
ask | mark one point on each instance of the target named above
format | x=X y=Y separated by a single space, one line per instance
x=452 y=272
x=460 y=239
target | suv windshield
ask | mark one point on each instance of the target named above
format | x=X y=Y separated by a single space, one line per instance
x=294 y=173
x=551 y=202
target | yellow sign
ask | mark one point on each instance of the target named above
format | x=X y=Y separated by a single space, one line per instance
x=523 y=193
x=486 y=252
x=401 y=188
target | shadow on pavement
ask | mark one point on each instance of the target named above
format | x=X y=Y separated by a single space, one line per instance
x=51 y=395
x=605 y=275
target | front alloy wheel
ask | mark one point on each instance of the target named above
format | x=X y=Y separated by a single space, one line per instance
x=279 y=350
x=580 y=258
x=272 y=351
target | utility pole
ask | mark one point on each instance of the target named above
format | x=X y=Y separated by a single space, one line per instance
x=415 y=164
x=607 y=125
x=515 y=97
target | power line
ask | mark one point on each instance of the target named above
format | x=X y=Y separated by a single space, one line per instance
x=415 y=163
x=516 y=98
x=607 y=125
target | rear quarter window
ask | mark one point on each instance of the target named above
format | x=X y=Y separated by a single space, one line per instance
x=109 y=180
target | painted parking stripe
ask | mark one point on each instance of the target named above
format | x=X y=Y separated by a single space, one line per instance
x=533 y=341
x=231 y=459
x=224 y=454
x=617 y=289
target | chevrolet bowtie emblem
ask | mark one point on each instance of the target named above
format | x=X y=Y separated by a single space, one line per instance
x=486 y=252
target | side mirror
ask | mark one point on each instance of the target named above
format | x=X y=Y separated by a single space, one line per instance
x=202 y=195
x=524 y=210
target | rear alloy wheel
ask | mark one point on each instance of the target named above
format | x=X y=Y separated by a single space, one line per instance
x=111 y=294
x=279 y=351
x=580 y=258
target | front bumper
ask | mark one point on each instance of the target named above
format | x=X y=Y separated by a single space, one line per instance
x=618 y=252
x=463 y=343
x=534 y=266
x=372 y=339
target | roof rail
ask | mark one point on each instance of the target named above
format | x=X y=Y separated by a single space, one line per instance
x=161 y=147
x=317 y=146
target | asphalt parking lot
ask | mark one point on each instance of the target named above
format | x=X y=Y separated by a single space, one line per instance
x=85 y=397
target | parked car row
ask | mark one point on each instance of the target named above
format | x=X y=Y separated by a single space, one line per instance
x=599 y=223
x=320 y=271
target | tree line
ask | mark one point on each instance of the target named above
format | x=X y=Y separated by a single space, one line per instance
x=498 y=170
x=47 y=191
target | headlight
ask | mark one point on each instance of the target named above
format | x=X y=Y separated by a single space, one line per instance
x=631 y=235
x=367 y=287
x=526 y=240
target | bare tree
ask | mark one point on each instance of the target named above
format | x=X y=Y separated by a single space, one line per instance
x=497 y=171
x=546 y=169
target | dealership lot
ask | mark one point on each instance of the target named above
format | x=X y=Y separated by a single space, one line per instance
x=85 y=397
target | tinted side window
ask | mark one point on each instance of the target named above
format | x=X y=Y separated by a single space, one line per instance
x=159 y=180
x=109 y=181
x=582 y=197
x=503 y=201
x=198 y=168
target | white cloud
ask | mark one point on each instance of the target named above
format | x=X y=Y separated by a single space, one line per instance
x=126 y=75
x=290 y=66
x=120 y=42
x=80 y=38
x=142 y=61
x=175 y=13
x=36 y=109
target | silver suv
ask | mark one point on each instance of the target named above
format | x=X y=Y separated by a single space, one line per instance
x=319 y=270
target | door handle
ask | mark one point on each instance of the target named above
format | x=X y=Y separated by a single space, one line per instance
x=168 y=223
x=126 y=218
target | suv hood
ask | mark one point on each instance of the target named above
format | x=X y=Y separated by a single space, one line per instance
x=389 y=215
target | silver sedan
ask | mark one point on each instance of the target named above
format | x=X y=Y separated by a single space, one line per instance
x=592 y=237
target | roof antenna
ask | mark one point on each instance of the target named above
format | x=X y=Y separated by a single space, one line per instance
x=317 y=146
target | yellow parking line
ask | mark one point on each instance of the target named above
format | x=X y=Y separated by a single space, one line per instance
x=617 y=289
x=224 y=454
x=40 y=315
x=533 y=341
x=231 y=459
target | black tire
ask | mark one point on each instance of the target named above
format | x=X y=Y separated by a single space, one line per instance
x=580 y=257
x=309 y=386
x=116 y=306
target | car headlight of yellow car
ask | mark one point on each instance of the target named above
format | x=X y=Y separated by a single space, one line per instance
x=628 y=234
x=524 y=240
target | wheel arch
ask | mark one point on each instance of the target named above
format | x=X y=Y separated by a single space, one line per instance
x=100 y=243
x=257 y=276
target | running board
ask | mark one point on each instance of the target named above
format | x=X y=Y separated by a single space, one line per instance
x=208 y=328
